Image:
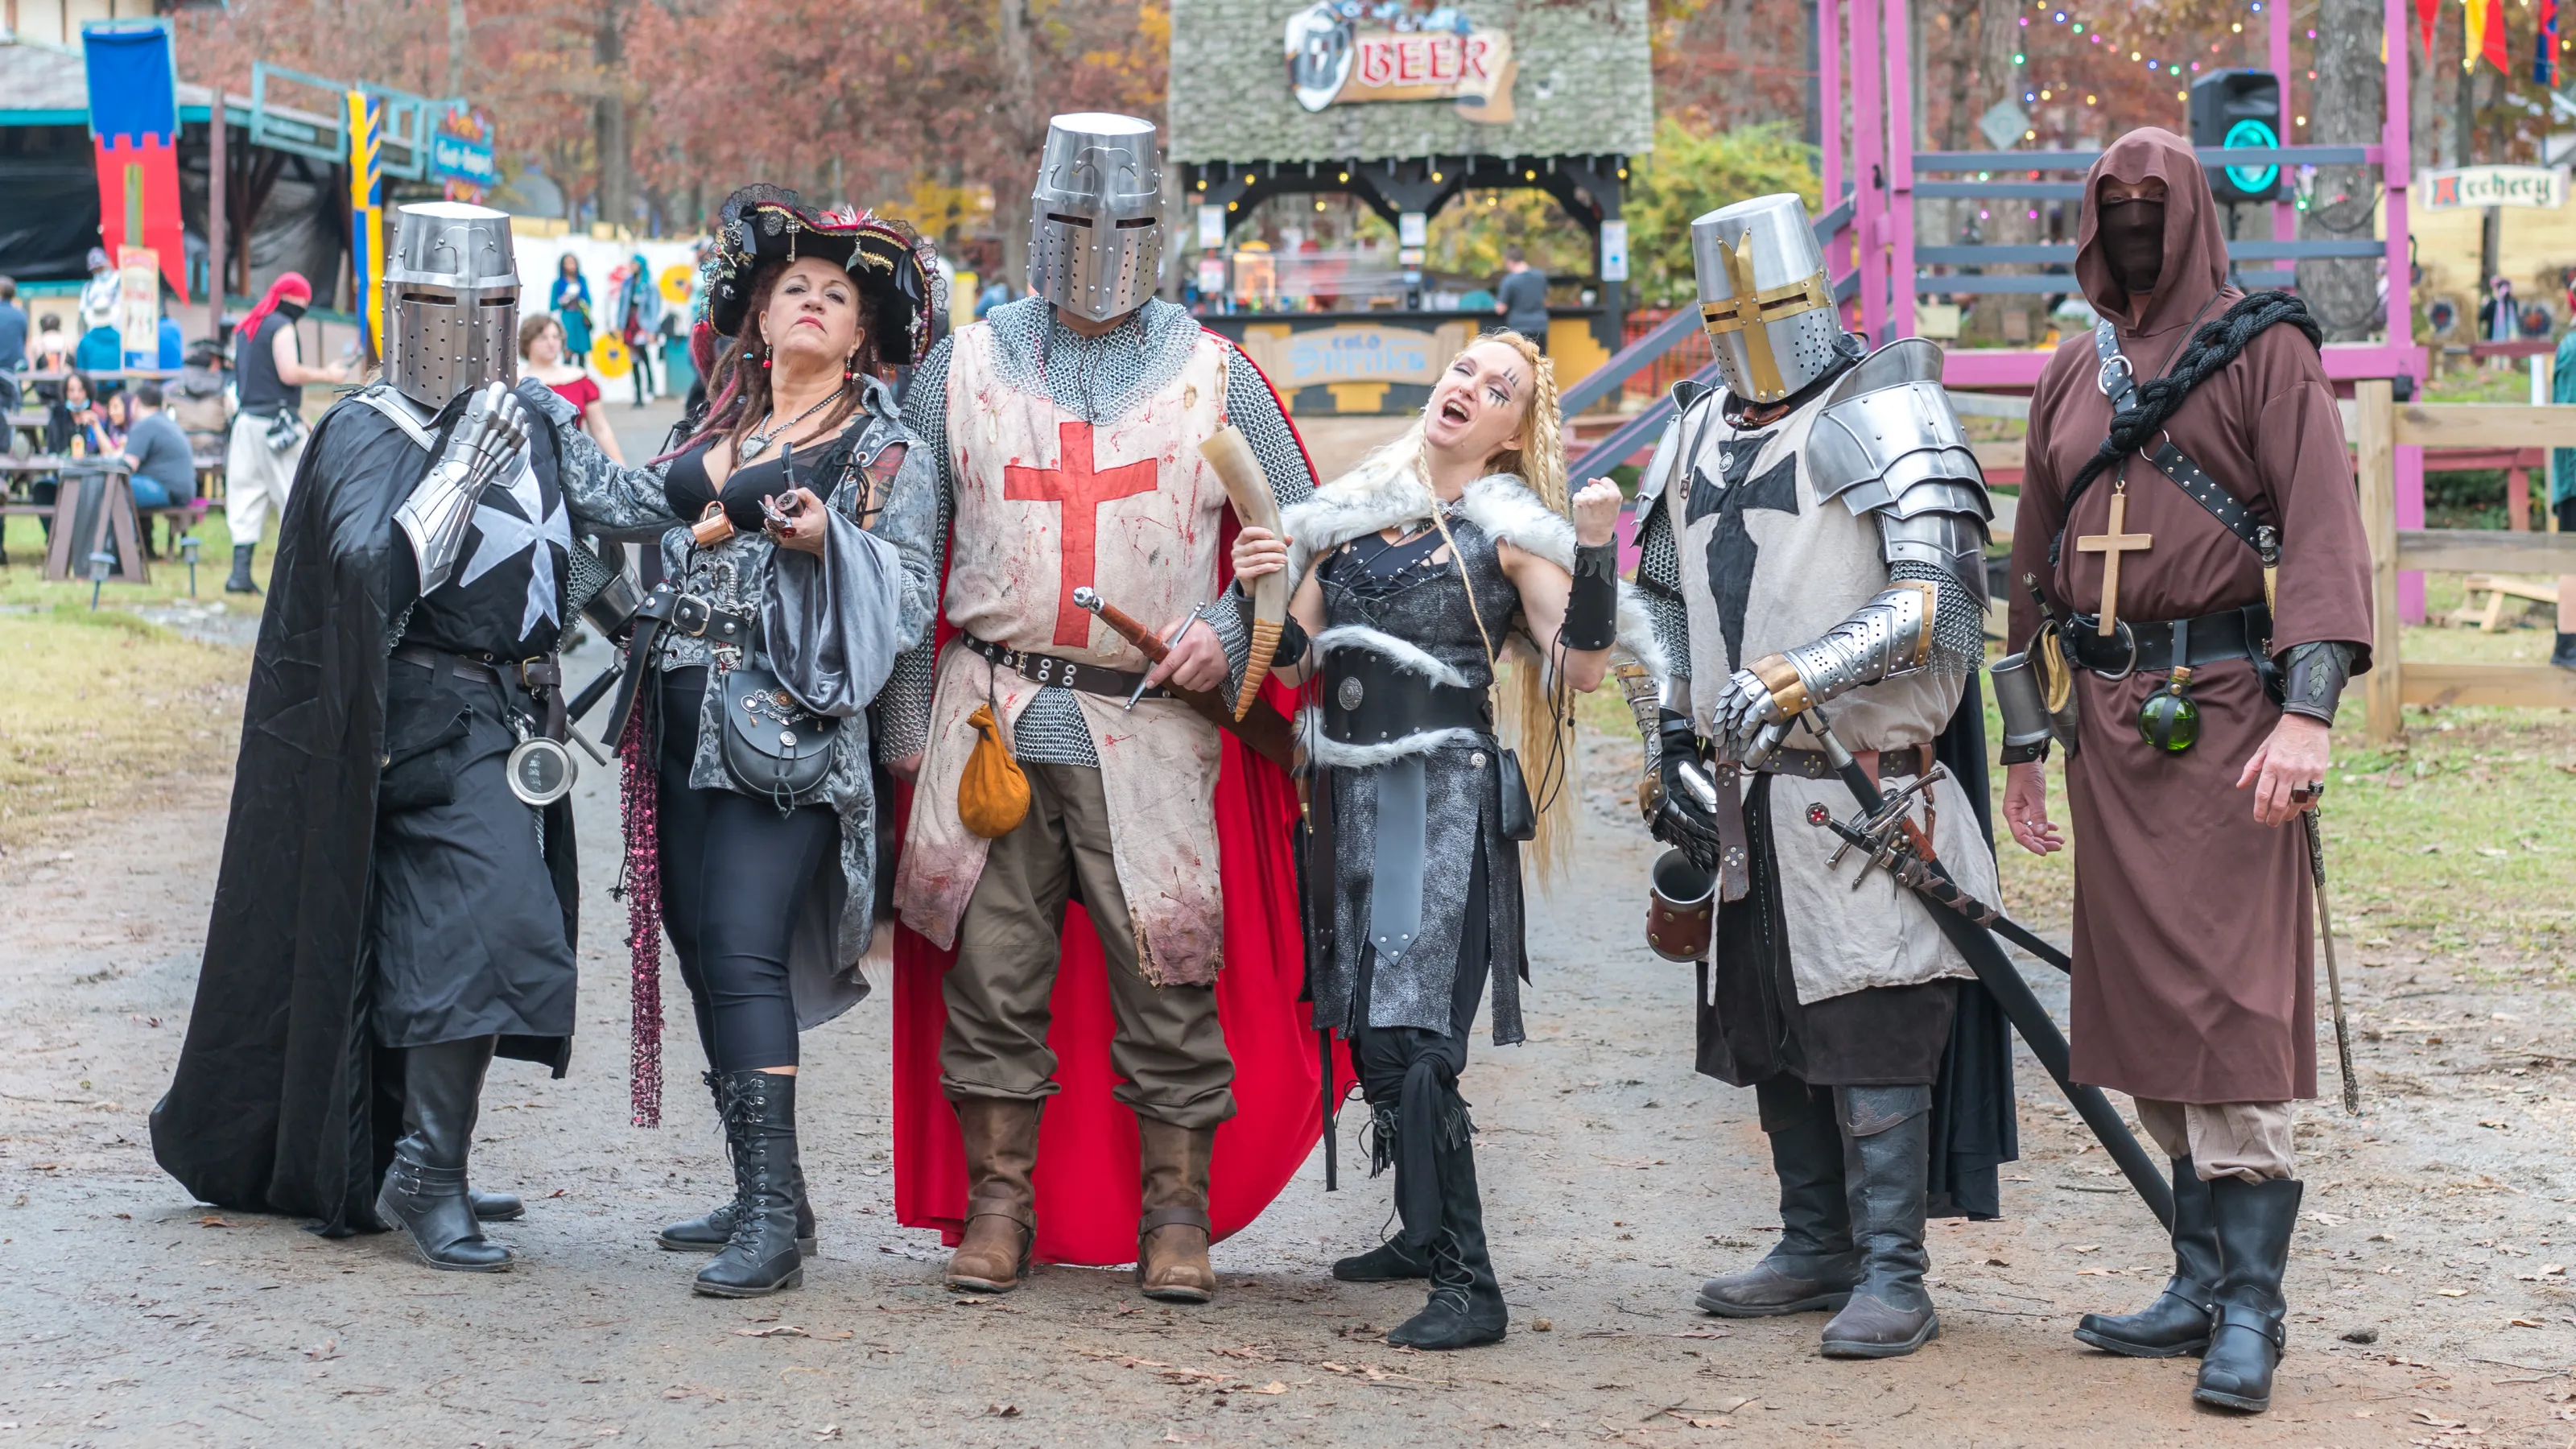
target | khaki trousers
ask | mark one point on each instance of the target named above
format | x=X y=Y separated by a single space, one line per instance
x=2249 y=1140
x=1169 y=1050
x=255 y=476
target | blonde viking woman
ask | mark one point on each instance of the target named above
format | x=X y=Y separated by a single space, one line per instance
x=1443 y=556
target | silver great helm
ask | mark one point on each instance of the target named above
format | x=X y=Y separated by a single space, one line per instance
x=451 y=302
x=1764 y=296
x=1095 y=218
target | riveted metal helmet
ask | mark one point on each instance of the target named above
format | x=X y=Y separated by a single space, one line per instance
x=451 y=302
x=1095 y=218
x=1764 y=296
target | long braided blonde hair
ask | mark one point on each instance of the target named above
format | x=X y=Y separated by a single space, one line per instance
x=1539 y=725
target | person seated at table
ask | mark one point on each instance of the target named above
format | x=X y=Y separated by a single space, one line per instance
x=52 y=352
x=72 y=420
x=115 y=420
x=156 y=448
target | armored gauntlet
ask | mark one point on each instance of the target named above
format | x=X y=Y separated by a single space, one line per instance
x=482 y=449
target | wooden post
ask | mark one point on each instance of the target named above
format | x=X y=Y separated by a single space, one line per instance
x=2517 y=500
x=216 y=217
x=2375 y=408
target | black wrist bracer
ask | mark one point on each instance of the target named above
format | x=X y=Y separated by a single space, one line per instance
x=1592 y=603
x=1292 y=644
x=2316 y=673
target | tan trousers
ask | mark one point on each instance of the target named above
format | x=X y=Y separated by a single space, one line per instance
x=256 y=476
x=1169 y=1050
x=2249 y=1140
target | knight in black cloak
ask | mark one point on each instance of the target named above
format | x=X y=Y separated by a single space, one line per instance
x=396 y=904
x=1813 y=532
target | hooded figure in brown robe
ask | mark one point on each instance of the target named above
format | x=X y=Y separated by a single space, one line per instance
x=2193 y=989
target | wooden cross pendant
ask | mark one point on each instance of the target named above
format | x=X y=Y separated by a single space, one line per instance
x=2111 y=545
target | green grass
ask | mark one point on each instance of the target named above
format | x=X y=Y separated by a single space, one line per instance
x=106 y=711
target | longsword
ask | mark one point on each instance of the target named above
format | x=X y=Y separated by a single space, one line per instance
x=1996 y=972
x=2334 y=977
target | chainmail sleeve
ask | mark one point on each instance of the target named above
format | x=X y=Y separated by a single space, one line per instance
x=1958 y=620
x=1659 y=585
x=903 y=706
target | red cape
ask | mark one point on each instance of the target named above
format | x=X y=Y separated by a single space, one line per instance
x=1087 y=1188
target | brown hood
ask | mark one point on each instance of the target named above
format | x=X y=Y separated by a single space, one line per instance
x=2195 y=247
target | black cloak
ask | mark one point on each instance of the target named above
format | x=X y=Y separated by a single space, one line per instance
x=281 y=1103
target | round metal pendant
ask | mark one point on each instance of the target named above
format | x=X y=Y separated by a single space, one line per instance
x=541 y=771
x=1351 y=693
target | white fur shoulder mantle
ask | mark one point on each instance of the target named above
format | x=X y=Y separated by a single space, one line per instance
x=1379 y=495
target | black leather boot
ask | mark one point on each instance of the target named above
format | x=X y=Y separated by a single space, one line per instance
x=2254 y=1220
x=1887 y=1139
x=760 y=1131
x=2178 y=1321
x=2564 y=656
x=240 y=582
x=424 y=1190
x=1812 y=1267
x=1466 y=1306
x=711 y=1230
x=1388 y=1262
x=496 y=1207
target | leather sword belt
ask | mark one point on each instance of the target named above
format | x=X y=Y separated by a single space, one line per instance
x=530 y=676
x=1062 y=673
x=1370 y=700
x=1813 y=765
x=2149 y=645
x=699 y=618
x=667 y=610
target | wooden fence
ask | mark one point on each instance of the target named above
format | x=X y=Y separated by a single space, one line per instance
x=2381 y=427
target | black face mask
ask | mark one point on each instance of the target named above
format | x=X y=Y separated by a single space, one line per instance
x=2133 y=242
x=291 y=311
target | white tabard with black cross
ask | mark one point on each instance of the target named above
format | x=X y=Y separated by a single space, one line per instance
x=1765 y=566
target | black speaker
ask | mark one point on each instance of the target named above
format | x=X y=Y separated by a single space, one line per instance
x=2241 y=109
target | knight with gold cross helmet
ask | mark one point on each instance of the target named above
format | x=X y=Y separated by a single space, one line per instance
x=1813 y=536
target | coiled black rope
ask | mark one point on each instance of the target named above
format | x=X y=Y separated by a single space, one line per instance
x=2215 y=345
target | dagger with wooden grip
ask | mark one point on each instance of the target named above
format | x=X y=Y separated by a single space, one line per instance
x=1230 y=454
x=1263 y=729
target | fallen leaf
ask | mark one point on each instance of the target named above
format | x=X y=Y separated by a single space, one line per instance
x=1997 y=1263
x=1003 y=1411
x=2452 y=1292
x=1701 y=1333
x=201 y=1222
x=780 y=1330
x=1542 y=1325
x=2088 y=1248
x=836 y=1335
x=2526 y=1323
x=328 y=1348
x=2438 y=1422
x=1272 y=1387
x=828 y=1431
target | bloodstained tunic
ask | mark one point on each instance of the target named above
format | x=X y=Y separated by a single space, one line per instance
x=2192 y=943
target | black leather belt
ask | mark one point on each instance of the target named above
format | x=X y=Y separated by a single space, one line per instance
x=699 y=618
x=1062 y=673
x=1369 y=699
x=526 y=675
x=1813 y=765
x=2149 y=645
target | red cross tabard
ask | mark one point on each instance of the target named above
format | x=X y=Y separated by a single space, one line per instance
x=1081 y=489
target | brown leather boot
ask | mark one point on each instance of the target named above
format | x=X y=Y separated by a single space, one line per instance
x=1172 y=1236
x=1001 y=1204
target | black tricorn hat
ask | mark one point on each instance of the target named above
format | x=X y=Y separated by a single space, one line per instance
x=894 y=267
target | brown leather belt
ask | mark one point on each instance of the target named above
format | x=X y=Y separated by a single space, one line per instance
x=1812 y=764
x=1064 y=673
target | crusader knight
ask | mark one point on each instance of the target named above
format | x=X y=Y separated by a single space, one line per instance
x=396 y=901
x=1067 y=428
x=1813 y=538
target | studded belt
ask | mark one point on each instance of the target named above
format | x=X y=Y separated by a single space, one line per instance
x=1812 y=764
x=1062 y=673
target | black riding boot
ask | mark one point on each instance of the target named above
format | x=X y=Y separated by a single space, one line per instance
x=424 y=1190
x=1466 y=1306
x=710 y=1231
x=2255 y=1220
x=2564 y=656
x=240 y=582
x=760 y=1130
x=2177 y=1322
x=1887 y=1140
x=1812 y=1267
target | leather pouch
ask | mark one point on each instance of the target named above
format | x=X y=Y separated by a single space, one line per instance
x=1519 y=815
x=774 y=746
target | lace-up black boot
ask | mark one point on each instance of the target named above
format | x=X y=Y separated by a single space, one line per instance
x=762 y=1256
x=2178 y=1321
x=424 y=1191
x=710 y=1231
x=1466 y=1306
x=2255 y=1220
x=1887 y=1137
x=1812 y=1266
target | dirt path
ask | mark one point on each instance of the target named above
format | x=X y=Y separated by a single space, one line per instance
x=1615 y=1180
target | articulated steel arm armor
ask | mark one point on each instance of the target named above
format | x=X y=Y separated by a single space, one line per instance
x=481 y=450
x=1887 y=444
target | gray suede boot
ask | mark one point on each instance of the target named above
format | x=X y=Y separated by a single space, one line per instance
x=1811 y=1268
x=1887 y=1138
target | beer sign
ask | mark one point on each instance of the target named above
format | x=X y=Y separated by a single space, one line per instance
x=1347 y=52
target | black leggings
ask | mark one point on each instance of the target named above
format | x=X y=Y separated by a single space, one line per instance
x=734 y=877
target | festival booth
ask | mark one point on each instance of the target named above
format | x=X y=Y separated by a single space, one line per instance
x=1403 y=107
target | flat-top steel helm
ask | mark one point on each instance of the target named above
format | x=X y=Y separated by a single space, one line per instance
x=1764 y=296
x=451 y=302
x=1095 y=219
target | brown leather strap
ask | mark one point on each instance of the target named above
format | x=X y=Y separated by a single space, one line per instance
x=1173 y=1217
x=1002 y=1207
x=1734 y=860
